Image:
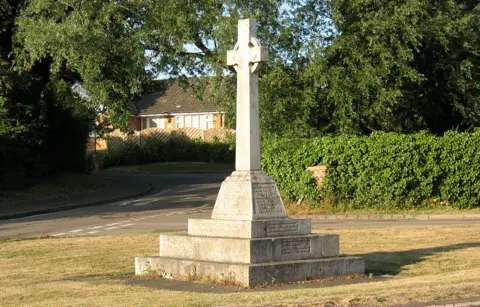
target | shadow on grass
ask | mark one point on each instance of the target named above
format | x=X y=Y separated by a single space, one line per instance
x=392 y=263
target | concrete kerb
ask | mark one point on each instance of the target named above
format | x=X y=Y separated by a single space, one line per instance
x=466 y=302
x=461 y=304
x=431 y=217
x=146 y=191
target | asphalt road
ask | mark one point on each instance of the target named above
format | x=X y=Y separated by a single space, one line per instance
x=175 y=199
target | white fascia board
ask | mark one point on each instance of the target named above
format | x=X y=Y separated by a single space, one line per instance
x=179 y=114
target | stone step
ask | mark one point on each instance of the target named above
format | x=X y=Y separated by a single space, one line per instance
x=242 y=250
x=250 y=275
x=249 y=229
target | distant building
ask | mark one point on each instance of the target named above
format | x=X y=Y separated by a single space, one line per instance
x=176 y=107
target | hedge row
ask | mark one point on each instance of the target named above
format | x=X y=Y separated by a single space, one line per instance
x=175 y=149
x=383 y=170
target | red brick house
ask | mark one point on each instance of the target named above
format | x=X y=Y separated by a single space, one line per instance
x=175 y=107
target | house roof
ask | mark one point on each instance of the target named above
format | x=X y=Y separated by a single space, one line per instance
x=174 y=99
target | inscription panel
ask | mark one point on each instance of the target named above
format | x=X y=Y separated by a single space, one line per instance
x=295 y=246
x=266 y=198
x=281 y=228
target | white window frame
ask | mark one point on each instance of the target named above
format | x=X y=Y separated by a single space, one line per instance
x=203 y=122
x=178 y=120
x=196 y=121
x=187 y=121
x=160 y=121
x=209 y=121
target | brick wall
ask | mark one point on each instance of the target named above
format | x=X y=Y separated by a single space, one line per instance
x=170 y=125
x=219 y=120
x=135 y=123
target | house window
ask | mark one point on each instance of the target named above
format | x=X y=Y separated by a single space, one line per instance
x=153 y=123
x=195 y=121
x=188 y=121
x=209 y=120
x=159 y=122
x=179 y=122
x=203 y=122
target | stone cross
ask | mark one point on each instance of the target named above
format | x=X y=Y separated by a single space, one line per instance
x=245 y=58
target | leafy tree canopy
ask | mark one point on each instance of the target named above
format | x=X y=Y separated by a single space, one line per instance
x=335 y=66
x=114 y=47
x=400 y=66
x=43 y=126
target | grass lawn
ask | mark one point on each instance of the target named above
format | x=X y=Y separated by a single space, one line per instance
x=175 y=167
x=426 y=263
x=57 y=186
x=303 y=209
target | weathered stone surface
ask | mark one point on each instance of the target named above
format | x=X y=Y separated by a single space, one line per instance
x=178 y=268
x=248 y=229
x=245 y=59
x=242 y=250
x=249 y=195
x=331 y=246
x=251 y=274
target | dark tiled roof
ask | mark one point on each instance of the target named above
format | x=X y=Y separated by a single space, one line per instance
x=174 y=99
x=133 y=107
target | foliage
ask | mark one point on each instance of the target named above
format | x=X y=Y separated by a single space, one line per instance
x=43 y=126
x=176 y=149
x=400 y=66
x=114 y=47
x=97 y=42
x=383 y=170
x=335 y=66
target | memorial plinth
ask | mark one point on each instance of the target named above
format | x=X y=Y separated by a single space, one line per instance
x=249 y=239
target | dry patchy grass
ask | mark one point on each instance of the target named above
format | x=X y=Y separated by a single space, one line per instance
x=429 y=263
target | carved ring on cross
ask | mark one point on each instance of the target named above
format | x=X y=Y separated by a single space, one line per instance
x=253 y=61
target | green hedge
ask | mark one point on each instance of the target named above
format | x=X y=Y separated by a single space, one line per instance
x=175 y=149
x=381 y=171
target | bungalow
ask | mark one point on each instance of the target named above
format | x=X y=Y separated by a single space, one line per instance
x=175 y=107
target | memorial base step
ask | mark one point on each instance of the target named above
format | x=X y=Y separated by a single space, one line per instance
x=241 y=250
x=250 y=275
x=249 y=229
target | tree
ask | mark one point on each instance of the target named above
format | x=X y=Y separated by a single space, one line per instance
x=108 y=44
x=36 y=107
x=97 y=42
x=292 y=30
x=335 y=66
x=401 y=66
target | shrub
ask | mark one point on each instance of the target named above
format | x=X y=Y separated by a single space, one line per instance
x=177 y=148
x=383 y=170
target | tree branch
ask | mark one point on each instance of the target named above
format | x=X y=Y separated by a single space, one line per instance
x=200 y=45
x=207 y=52
x=185 y=53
